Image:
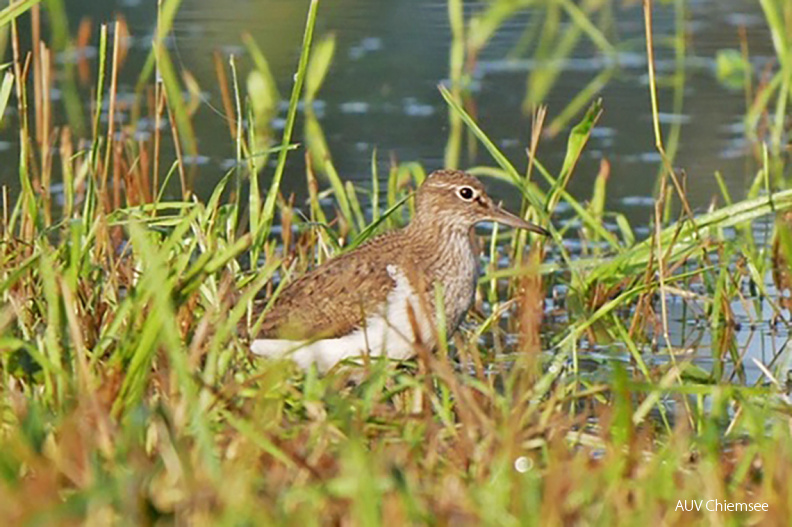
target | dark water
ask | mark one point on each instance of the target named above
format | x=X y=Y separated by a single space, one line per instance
x=381 y=91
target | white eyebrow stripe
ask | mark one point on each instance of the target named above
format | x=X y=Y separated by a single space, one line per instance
x=457 y=186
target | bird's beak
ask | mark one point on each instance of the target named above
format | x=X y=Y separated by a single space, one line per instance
x=501 y=215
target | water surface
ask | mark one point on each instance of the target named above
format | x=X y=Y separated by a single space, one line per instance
x=382 y=89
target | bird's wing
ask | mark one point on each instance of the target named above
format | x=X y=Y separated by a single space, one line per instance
x=332 y=300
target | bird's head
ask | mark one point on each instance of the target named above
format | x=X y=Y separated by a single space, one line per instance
x=459 y=200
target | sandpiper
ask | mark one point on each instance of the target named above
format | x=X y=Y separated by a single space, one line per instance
x=379 y=299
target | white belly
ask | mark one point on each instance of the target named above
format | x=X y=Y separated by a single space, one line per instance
x=389 y=333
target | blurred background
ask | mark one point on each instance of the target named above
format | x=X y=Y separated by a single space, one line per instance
x=381 y=89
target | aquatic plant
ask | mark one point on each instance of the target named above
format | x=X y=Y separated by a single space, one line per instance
x=128 y=393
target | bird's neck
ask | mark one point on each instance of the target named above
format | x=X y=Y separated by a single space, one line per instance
x=433 y=227
x=441 y=244
x=447 y=256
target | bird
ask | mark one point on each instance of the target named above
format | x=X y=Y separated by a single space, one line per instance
x=381 y=298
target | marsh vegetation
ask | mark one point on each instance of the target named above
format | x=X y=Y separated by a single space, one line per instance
x=628 y=362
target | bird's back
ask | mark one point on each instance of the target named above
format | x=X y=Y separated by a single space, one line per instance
x=335 y=298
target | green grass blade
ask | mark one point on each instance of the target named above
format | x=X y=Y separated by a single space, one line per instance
x=14 y=10
x=5 y=93
x=268 y=215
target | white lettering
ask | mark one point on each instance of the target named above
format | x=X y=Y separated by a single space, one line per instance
x=694 y=505
x=719 y=506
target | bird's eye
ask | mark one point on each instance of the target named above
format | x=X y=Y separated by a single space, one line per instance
x=466 y=193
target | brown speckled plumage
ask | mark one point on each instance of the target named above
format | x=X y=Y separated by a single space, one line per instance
x=436 y=247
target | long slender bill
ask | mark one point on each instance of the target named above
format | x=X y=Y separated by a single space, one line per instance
x=505 y=217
